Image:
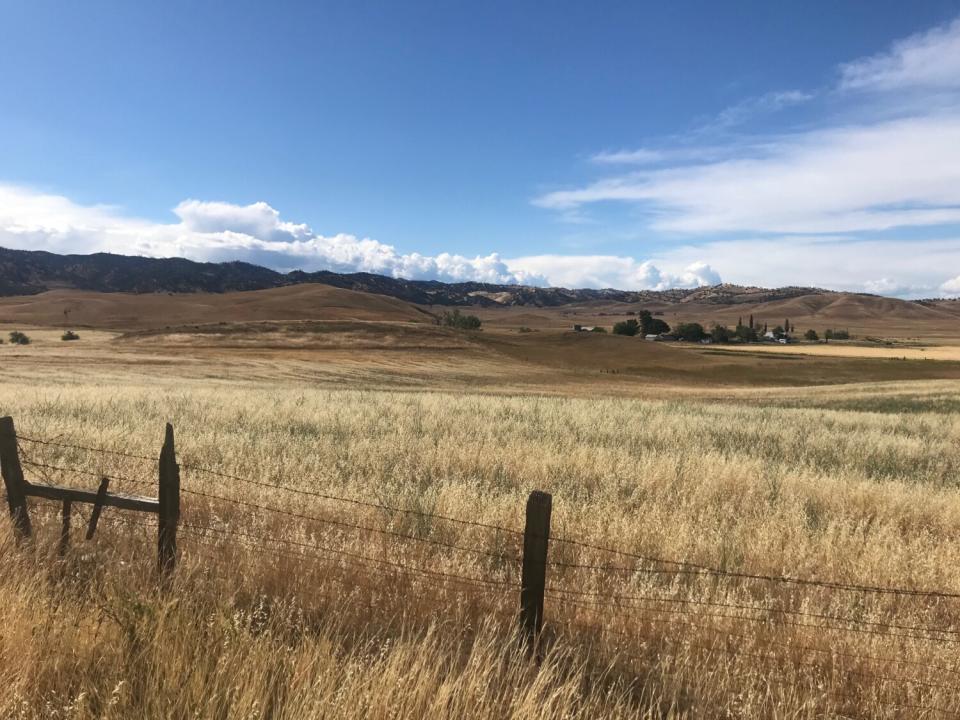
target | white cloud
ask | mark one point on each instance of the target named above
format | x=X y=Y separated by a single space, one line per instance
x=221 y=231
x=218 y=231
x=766 y=103
x=951 y=287
x=898 y=173
x=926 y=60
x=639 y=156
x=256 y=233
x=901 y=268
x=897 y=168
x=613 y=271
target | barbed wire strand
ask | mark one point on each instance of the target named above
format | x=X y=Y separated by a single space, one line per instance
x=355 y=526
x=753 y=619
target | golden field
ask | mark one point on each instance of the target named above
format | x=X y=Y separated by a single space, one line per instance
x=320 y=608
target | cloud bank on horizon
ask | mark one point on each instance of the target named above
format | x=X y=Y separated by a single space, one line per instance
x=867 y=199
x=221 y=231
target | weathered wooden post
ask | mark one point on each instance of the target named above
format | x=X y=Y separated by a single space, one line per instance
x=169 y=502
x=65 y=529
x=97 y=507
x=533 y=584
x=13 y=478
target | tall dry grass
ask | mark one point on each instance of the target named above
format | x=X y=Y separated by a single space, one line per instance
x=253 y=628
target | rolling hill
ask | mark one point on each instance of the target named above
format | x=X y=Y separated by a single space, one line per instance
x=134 y=293
x=28 y=272
x=127 y=311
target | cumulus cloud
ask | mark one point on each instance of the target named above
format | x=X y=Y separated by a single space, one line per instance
x=893 y=267
x=218 y=231
x=951 y=287
x=613 y=271
x=222 y=231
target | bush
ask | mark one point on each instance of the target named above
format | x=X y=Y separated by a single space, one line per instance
x=69 y=335
x=692 y=332
x=837 y=335
x=462 y=322
x=628 y=327
x=811 y=335
x=18 y=338
x=599 y=329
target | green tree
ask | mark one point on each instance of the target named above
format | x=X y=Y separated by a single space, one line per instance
x=626 y=327
x=811 y=335
x=779 y=332
x=720 y=334
x=18 y=338
x=692 y=332
x=650 y=325
x=746 y=334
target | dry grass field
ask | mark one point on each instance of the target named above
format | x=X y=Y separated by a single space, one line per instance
x=289 y=601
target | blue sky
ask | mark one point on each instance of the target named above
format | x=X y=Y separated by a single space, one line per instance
x=625 y=144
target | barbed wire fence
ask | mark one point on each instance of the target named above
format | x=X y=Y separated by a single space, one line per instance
x=758 y=628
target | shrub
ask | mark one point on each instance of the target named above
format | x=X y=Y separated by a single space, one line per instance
x=692 y=332
x=599 y=329
x=627 y=327
x=837 y=335
x=811 y=335
x=462 y=322
x=69 y=335
x=19 y=338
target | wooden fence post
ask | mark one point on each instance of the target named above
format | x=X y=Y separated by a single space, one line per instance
x=13 y=478
x=533 y=584
x=97 y=507
x=169 y=501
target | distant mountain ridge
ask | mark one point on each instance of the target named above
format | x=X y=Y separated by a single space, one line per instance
x=28 y=272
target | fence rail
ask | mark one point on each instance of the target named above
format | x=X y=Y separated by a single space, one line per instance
x=760 y=626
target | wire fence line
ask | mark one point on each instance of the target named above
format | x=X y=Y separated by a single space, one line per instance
x=642 y=608
x=682 y=567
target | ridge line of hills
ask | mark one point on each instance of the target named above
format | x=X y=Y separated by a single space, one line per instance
x=30 y=272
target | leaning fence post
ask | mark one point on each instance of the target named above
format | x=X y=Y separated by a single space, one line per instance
x=13 y=478
x=533 y=584
x=169 y=505
x=97 y=507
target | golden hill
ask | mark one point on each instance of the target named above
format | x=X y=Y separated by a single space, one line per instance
x=77 y=308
